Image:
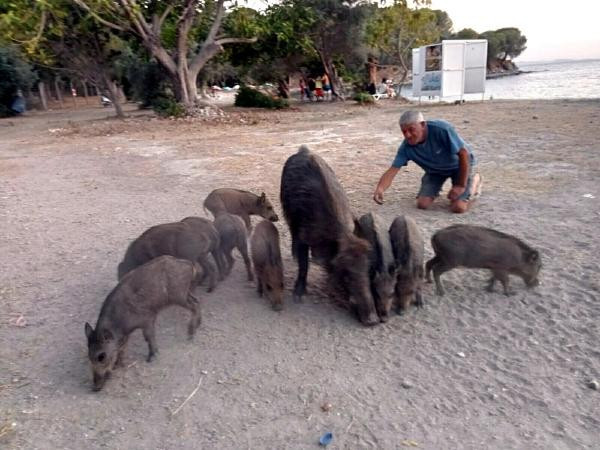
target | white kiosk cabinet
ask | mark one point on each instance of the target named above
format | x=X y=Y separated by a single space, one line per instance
x=450 y=69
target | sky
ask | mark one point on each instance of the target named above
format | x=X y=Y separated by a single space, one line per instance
x=554 y=29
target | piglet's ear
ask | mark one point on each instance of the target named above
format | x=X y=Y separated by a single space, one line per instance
x=88 y=330
x=262 y=198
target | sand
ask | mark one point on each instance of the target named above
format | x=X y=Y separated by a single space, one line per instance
x=470 y=370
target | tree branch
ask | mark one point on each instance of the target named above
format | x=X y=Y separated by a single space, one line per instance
x=114 y=26
x=224 y=41
x=157 y=22
x=214 y=29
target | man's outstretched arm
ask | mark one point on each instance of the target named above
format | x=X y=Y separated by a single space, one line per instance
x=384 y=182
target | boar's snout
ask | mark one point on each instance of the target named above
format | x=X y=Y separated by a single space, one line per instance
x=370 y=320
x=274 y=217
x=277 y=306
x=99 y=380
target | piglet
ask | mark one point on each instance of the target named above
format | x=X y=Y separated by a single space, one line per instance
x=135 y=302
x=476 y=247
x=268 y=266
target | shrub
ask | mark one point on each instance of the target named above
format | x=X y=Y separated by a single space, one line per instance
x=251 y=98
x=363 y=98
x=168 y=107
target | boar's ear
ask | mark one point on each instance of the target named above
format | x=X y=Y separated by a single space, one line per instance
x=262 y=198
x=107 y=335
x=88 y=330
x=533 y=256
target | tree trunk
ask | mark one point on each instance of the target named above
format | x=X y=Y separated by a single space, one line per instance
x=337 y=88
x=58 y=92
x=113 y=93
x=43 y=99
x=283 y=88
x=85 y=91
x=192 y=88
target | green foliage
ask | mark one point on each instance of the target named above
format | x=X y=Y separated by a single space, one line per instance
x=15 y=74
x=363 y=98
x=168 y=107
x=144 y=80
x=251 y=98
x=395 y=30
x=512 y=42
x=466 y=33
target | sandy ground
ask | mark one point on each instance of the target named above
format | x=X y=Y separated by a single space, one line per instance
x=471 y=370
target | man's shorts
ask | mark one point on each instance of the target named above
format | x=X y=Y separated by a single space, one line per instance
x=431 y=184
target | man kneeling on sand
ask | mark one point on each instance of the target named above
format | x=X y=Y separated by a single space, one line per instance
x=437 y=148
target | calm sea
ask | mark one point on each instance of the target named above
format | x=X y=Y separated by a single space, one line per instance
x=566 y=79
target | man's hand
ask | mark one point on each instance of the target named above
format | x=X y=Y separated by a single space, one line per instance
x=456 y=192
x=378 y=197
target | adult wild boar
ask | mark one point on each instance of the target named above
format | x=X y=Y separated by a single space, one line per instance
x=240 y=203
x=409 y=254
x=179 y=239
x=232 y=234
x=268 y=266
x=320 y=220
x=135 y=303
x=478 y=247
x=382 y=268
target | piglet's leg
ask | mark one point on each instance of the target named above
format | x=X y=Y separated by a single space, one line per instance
x=150 y=336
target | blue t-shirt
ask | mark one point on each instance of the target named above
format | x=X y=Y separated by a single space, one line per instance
x=438 y=154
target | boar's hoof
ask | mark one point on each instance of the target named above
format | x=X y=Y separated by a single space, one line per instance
x=384 y=318
x=297 y=298
x=277 y=307
x=440 y=291
x=371 y=320
x=509 y=292
x=151 y=356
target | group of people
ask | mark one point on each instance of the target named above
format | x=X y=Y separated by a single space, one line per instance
x=318 y=88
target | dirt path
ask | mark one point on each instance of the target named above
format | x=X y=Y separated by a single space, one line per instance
x=471 y=370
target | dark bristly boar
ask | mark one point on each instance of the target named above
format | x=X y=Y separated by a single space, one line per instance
x=268 y=266
x=478 y=247
x=232 y=234
x=204 y=226
x=240 y=203
x=134 y=303
x=178 y=239
x=409 y=253
x=382 y=268
x=320 y=220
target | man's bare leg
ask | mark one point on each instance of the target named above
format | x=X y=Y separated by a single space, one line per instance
x=424 y=202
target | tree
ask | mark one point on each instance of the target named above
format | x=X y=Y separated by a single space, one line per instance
x=512 y=42
x=183 y=35
x=15 y=74
x=338 y=29
x=62 y=35
x=396 y=29
x=284 y=44
x=466 y=33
